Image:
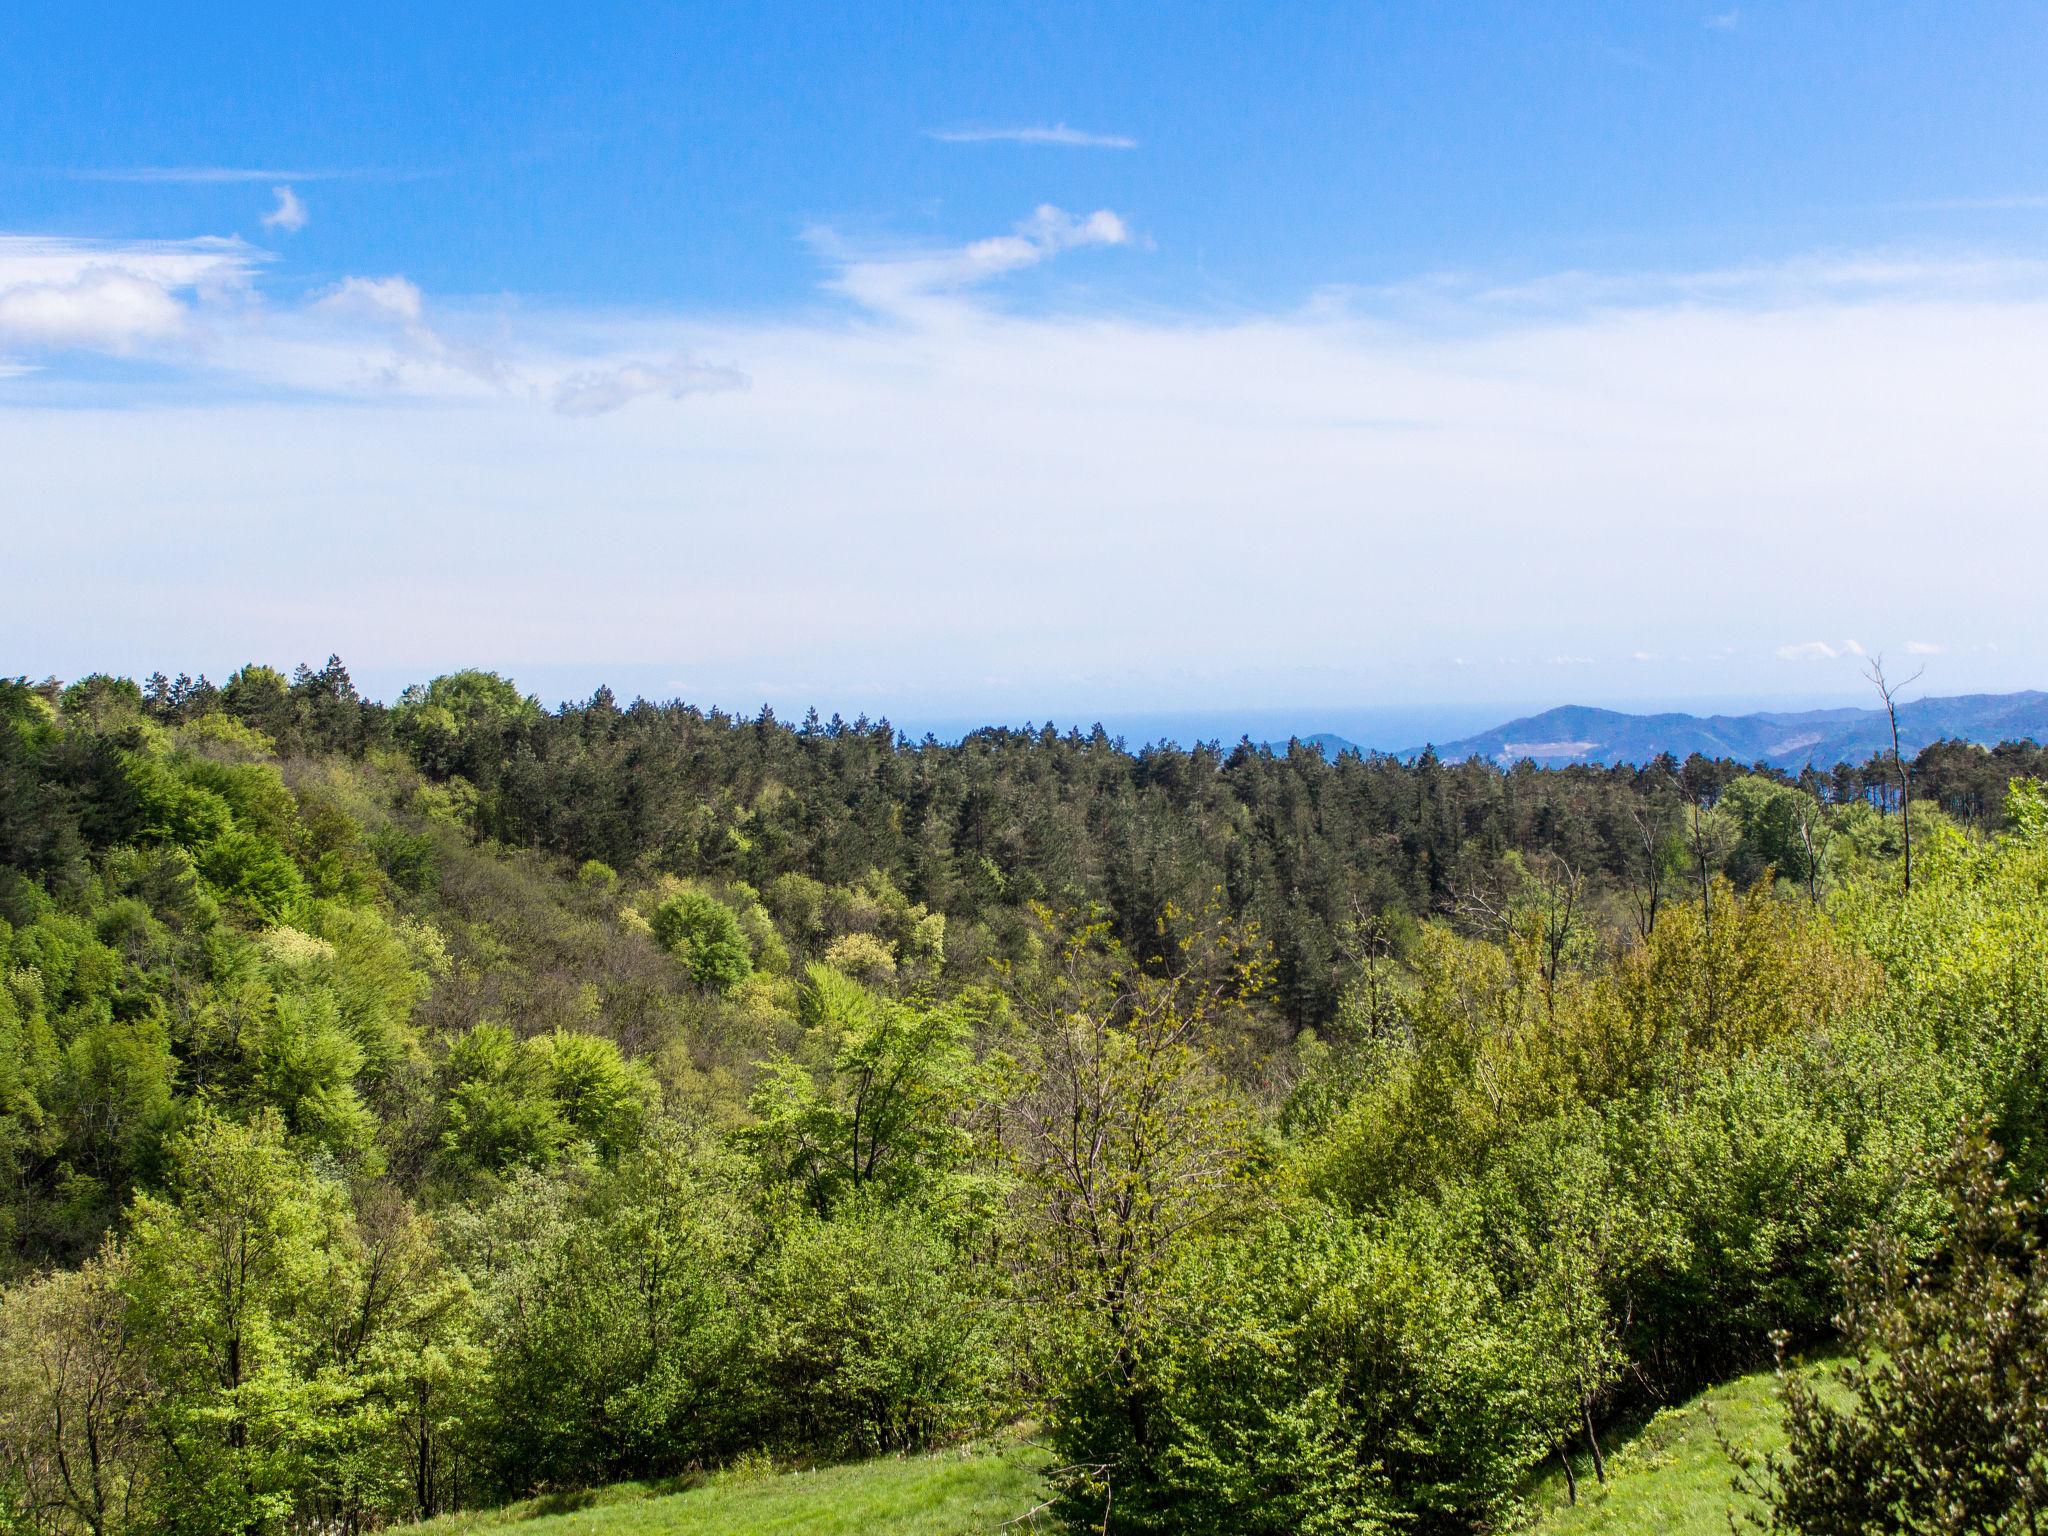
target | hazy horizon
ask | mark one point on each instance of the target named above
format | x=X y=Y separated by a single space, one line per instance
x=1381 y=727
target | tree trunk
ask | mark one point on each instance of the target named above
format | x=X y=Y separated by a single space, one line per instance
x=1571 y=1478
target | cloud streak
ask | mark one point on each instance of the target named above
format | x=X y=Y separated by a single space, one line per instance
x=597 y=391
x=901 y=281
x=1057 y=134
x=208 y=175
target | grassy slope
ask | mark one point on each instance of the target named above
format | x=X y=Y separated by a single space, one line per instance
x=1672 y=1474
x=951 y=1493
x=1670 y=1477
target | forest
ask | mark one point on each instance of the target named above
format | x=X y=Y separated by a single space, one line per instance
x=415 y=1108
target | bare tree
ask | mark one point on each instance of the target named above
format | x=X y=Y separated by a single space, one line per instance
x=73 y=1402
x=1809 y=812
x=1650 y=896
x=1699 y=835
x=1889 y=692
x=1561 y=892
x=1128 y=1140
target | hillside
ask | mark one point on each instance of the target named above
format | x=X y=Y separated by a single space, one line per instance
x=949 y=1493
x=1577 y=733
x=454 y=1106
x=1672 y=1476
x=1670 y=1473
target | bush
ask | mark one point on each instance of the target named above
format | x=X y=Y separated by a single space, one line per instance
x=1941 y=1424
x=872 y=1335
x=705 y=936
x=1305 y=1377
x=616 y=1325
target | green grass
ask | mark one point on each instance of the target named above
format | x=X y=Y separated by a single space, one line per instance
x=1669 y=1476
x=948 y=1493
x=1672 y=1474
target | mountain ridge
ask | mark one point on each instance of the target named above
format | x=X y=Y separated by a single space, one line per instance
x=1790 y=739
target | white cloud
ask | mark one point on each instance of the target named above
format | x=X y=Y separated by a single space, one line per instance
x=391 y=300
x=204 y=264
x=289 y=215
x=1922 y=648
x=596 y=391
x=945 y=490
x=1819 y=650
x=1724 y=21
x=897 y=280
x=1057 y=134
x=61 y=294
x=106 y=309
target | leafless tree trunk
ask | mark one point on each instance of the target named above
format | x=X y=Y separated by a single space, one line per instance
x=1703 y=865
x=1889 y=692
x=1808 y=815
x=1653 y=873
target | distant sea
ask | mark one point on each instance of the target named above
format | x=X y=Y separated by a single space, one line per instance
x=1374 y=727
x=1389 y=728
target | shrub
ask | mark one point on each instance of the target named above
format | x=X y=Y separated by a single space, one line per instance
x=1941 y=1423
x=704 y=935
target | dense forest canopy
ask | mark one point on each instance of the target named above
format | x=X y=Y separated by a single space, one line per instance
x=410 y=1106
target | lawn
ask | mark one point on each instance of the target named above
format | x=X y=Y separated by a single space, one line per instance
x=1673 y=1474
x=1670 y=1476
x=948 y=1493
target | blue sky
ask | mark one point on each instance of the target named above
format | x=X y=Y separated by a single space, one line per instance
x=964 y=360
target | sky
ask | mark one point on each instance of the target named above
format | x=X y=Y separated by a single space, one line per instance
x=960 y=362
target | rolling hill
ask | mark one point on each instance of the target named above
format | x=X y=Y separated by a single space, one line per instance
x=1792 y=739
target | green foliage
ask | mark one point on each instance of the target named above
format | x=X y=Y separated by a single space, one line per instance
x=498 y=1106
x=239 y=1280
x=1368 y=1133
x=1941 y=1423
x=2026 y=811
x=702 y=933
x=1308 y=1376
x=876 y=1333
x=616 y=1327
x=1783 y=831
x=870 y=1101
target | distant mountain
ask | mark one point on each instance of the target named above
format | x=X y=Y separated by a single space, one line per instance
x=1823 y=737
x=1330 y=745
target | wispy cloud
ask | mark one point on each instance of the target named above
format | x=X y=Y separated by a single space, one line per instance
x=209 y=175
x=894 y=280
x=1723 y=21
x=1058 y=134
x=1922 y=648
x=2014 y=201
x=890 y=478
x=289 y=215
x=375 y=298
x=1819 y=650
x=1900 y=273
x=396 y=306
x=594 y=392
